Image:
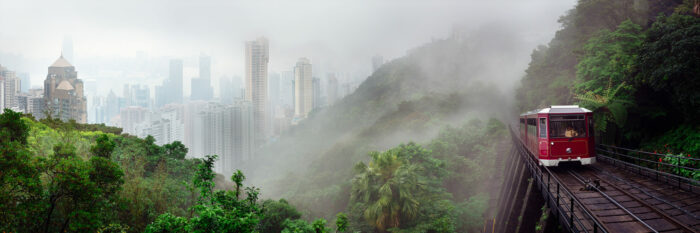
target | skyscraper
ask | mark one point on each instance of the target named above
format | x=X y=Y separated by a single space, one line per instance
x=316 y=93
x=226 y=90
x=25 y=82
x=332 y=89
x=171 y=89
x=273 y=91
x=303 y=88
x=10 y=85
x=224 y=130
x=201 y=87
x=256 y=59
x=63 y=92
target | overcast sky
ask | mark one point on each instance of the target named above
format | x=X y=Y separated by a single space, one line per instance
x=342 y=35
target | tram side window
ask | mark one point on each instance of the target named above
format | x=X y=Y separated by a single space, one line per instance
x=567 y=126
x=532 y=127
x=522 y=124
x=543 y=127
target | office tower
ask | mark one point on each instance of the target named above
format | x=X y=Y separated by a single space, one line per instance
x=316 y=93
x=226 y=90
x=273 y=91
x=224 y=130
x=192 y=108
x=130 y=117
x=165 y=124
x=10 y=86
x=35 y=105
x=303 y=88
x=377 y=61
x=67 y=50
x=332 y=89
x=137 y=95
x=25 y=82
x=140 y=96
x=201 y=87
x=241 y=140
x=111 y=106
x=256 y=59
x=171 y=89
x=63 y=92
x=176 y=80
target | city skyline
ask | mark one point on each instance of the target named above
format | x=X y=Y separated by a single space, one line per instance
x=102 y=47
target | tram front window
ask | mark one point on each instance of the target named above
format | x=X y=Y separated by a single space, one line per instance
x=567 y=126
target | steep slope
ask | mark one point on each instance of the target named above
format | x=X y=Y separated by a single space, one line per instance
x=445 y=82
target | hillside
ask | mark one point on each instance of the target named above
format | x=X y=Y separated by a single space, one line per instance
x=442 y=83
x=634 y=63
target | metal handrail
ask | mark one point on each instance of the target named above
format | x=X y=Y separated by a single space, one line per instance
x=649 y=153
x=537 y=172
x=690 y=182
x=652 y=161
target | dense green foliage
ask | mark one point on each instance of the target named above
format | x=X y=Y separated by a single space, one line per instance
x=412 y=188
x=636 y=68
x=58 y=179
x=58 y=192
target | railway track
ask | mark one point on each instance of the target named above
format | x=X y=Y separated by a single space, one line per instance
x=622 y=206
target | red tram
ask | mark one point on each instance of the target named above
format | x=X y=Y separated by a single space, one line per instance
x=559 y=134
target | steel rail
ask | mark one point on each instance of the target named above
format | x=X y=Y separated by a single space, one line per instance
x=645 y=192
x=613 y=201
x=653 y=208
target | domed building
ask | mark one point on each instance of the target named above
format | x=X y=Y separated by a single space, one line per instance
x=63 y=92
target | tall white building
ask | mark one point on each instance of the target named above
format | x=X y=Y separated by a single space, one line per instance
x=303 y=88
x=332 y=89
x=165 y=125
x=10 y=85
x=226 y=131
x=132 y=116
x=256 y=59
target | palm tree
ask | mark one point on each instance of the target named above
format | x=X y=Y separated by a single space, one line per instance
x=388 y=186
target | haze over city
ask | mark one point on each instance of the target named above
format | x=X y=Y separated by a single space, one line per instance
x=339 y=36
x=317 y=116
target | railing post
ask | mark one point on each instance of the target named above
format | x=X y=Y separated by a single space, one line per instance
x=557 y=194
x=656 y=158
x=571 y=218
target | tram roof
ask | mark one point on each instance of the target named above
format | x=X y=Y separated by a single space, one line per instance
x=559 y=109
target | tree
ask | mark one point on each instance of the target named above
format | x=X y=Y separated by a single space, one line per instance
x=103 y=146
x=274 y=215
x=301 y=226
x=216 y=211
x=668 y=62
x=175 y=150
x=609 y=57
x=608 y=62
x=12 y=128
x=391 y=186
x=341 y=222
x=20 y=183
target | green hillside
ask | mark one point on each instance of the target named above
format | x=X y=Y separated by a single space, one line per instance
x=634 y=63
